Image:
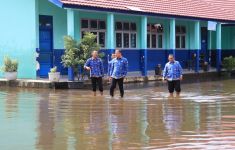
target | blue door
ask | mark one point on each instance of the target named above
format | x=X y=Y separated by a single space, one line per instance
x=45 y=45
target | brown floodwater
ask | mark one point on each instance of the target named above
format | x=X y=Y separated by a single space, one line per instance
x=145 y=119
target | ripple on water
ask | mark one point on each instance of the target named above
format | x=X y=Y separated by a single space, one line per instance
x=202 y=118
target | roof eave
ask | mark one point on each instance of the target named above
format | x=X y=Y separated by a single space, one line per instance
x=63 y=5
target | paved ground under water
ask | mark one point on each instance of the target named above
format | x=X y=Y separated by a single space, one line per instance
x=202 y=118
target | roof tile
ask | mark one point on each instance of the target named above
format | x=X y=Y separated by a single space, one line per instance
x=210 y=9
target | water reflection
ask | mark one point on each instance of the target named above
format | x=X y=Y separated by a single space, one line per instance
x=18 y=119
x=202 y=118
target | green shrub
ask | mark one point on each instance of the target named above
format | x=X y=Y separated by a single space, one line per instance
x=229 y=63
x=10 y=65
x=76 y=53
x=70 y=57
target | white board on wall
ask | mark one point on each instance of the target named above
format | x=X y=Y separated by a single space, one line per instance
x=211 y=26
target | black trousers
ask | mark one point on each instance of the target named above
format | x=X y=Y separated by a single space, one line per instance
x=95 y=81
x=174 y=86
x=113 y=86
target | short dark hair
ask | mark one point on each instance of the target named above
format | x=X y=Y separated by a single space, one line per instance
x=94 y=51
x=118 y=50
x=171 y=55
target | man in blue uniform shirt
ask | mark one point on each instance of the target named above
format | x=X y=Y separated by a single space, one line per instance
x=118 y=72
x=173 y=73
x=110 y=64
x=96 y=68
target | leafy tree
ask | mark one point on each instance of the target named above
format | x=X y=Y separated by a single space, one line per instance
x=70 y=57
x=86 y=46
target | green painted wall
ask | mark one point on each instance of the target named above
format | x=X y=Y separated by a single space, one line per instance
x=191 y=35
x=228 y=37
x=59 y=21
x=19 y=35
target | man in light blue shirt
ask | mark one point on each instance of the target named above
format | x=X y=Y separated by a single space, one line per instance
x=96 y=68
x=173 y=73
x=118 y=72
x=110 y=64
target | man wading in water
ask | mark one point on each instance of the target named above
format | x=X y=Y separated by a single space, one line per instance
x=173 y=73
x=118 y=72
x=96 y=68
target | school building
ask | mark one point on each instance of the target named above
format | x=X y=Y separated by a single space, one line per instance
x=196 y=31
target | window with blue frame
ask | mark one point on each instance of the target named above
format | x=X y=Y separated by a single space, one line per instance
x=97 y=27
x=180 y=37
x=155 y=36
x=126 y=34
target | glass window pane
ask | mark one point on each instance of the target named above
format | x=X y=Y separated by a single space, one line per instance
x=126 y=39
x=148 y=27
x=177 y=29
x=160 y=41
x=133 y=40
x=118 y=26
x=102 y=25
x=177 y=42
x=126 y=26
x=183 y=29
x=85 y=24
x=154 y=41
x=102 y=39
x=133 y=26
x=94 y=24
x=182 y=41
x=148 y=41
x=119 y=40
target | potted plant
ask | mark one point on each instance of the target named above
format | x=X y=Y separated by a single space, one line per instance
x=54 y=76
x=229 y=64
x=10 y=68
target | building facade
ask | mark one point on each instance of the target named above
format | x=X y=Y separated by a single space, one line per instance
x=32 y=31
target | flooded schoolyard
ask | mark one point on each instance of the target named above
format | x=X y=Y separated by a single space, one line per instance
x=41 y=119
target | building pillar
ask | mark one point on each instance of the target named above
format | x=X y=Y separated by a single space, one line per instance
x=73 y=24
x=172 y=36
x=144 y=45
x=73 y=30
x=110 y=33
x=218 y=47
x=209 y=45
x=197 y=45
x=166 y=36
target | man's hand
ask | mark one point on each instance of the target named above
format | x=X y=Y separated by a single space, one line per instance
x=110 y=79
x=88 y=68
x=181 y=78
